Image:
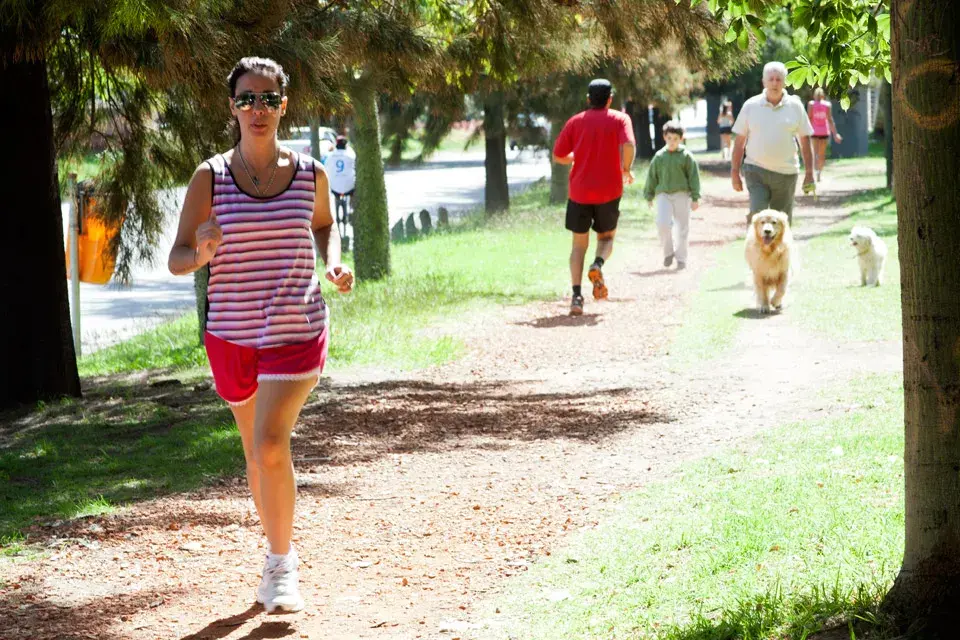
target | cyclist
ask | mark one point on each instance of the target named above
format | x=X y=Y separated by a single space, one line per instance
x=341 y=166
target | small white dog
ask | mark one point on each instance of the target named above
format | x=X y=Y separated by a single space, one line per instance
x=871 y=254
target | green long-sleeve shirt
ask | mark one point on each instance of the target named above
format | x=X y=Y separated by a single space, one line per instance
x=672 y=171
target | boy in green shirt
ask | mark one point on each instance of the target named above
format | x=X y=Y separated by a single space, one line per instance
x=674 y=181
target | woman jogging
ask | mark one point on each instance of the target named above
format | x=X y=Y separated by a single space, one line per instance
x=821 y=117
x=725 y=121
x=253 y=214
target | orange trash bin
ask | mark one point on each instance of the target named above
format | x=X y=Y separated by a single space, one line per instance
x=95 y=262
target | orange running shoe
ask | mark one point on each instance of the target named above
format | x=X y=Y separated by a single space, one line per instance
x=595 y=275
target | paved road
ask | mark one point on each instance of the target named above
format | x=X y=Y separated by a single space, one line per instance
x=109 y=313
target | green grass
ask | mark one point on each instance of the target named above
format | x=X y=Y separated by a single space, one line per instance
x=454 y=142
x=750 y=544
x=825 y=294
x=173 y=344
x=121 y=443
x=711 y=323
x=514 y=258
x=828 y=298
x=86 y=167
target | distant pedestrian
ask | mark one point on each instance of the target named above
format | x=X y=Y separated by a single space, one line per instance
x=768 y=128
x=599 y=143
x=341 y=166
x=725 y=121
x=673 y=179
x=253 y=214
x=821 y=117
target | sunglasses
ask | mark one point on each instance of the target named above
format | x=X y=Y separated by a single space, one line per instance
x=271 y=100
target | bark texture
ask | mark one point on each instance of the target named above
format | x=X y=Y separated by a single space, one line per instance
x=559 y=173
x=497 y=192
x=926 y=135
x=36 y=342
x=371 y=219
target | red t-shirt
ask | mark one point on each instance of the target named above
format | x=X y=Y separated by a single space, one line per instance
x=594 y=136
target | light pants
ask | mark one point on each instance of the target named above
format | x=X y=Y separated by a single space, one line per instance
x=673 y=223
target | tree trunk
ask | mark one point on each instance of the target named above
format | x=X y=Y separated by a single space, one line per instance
x=497 y=192
x=559 y=173
x=315 y=138
x=640 y=114
x=36 y=341
x=660 y=118
x=201 y=278
x=925 y=598
x=887 y=101
x=714 y=142
x=371 y=220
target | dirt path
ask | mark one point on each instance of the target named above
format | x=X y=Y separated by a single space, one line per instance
x=419 y=494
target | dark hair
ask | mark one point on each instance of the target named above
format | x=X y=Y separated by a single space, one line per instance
x=261 y=66
x=673 y=126
x=341 y=142
x=599 y=92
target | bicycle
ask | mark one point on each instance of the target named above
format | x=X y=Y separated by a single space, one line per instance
x=343 y=203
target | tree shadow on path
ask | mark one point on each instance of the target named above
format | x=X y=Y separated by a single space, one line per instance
x=365 y=422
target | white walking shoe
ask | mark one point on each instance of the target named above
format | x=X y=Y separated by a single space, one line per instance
x=279 y=588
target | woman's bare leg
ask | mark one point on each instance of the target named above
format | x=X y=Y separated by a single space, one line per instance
x=278 y=406
x=820 y=150
x=244 y=416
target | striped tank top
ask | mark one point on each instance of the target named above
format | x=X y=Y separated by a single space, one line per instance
x=263 y=290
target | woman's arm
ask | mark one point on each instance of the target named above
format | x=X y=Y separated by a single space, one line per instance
x=833 y=127
x=198 y=235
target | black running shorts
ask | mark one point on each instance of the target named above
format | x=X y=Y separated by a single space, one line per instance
x=601 y=217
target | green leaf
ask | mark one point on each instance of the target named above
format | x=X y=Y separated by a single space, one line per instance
x=791 y=64
x=883 y=25
x=811 y=76
x=887 y=75
x=731 y=33
x=795 y=77
x=845 y=102
x=743 y=41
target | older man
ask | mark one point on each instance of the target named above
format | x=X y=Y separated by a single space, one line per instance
x=768 y=128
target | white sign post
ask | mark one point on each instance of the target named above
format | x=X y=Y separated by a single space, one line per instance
x=74 y=244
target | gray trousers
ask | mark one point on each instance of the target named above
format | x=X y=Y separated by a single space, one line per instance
x=769 y=190
x=673 y=219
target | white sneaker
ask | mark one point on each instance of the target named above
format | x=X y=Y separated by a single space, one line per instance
x=279 y=588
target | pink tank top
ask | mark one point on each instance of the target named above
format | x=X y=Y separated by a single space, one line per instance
x=820 y=109
x=263 y=290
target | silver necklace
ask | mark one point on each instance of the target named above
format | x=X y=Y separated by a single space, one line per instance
x=255 y=180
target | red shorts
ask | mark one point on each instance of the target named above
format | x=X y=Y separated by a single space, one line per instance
x=237 y=369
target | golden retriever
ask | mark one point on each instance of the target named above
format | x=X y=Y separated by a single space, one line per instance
x=768 y=252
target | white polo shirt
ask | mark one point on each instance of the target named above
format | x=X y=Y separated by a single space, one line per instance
x=770 y=131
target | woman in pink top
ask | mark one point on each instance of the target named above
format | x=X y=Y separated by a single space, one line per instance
x=258 y=214
x=821 y=117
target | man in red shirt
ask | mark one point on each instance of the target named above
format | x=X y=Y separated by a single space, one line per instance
x=600 y=145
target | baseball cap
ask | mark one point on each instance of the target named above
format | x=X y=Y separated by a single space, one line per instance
x=599 y=90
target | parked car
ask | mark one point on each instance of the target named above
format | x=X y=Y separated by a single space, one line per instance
x=300 y=141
